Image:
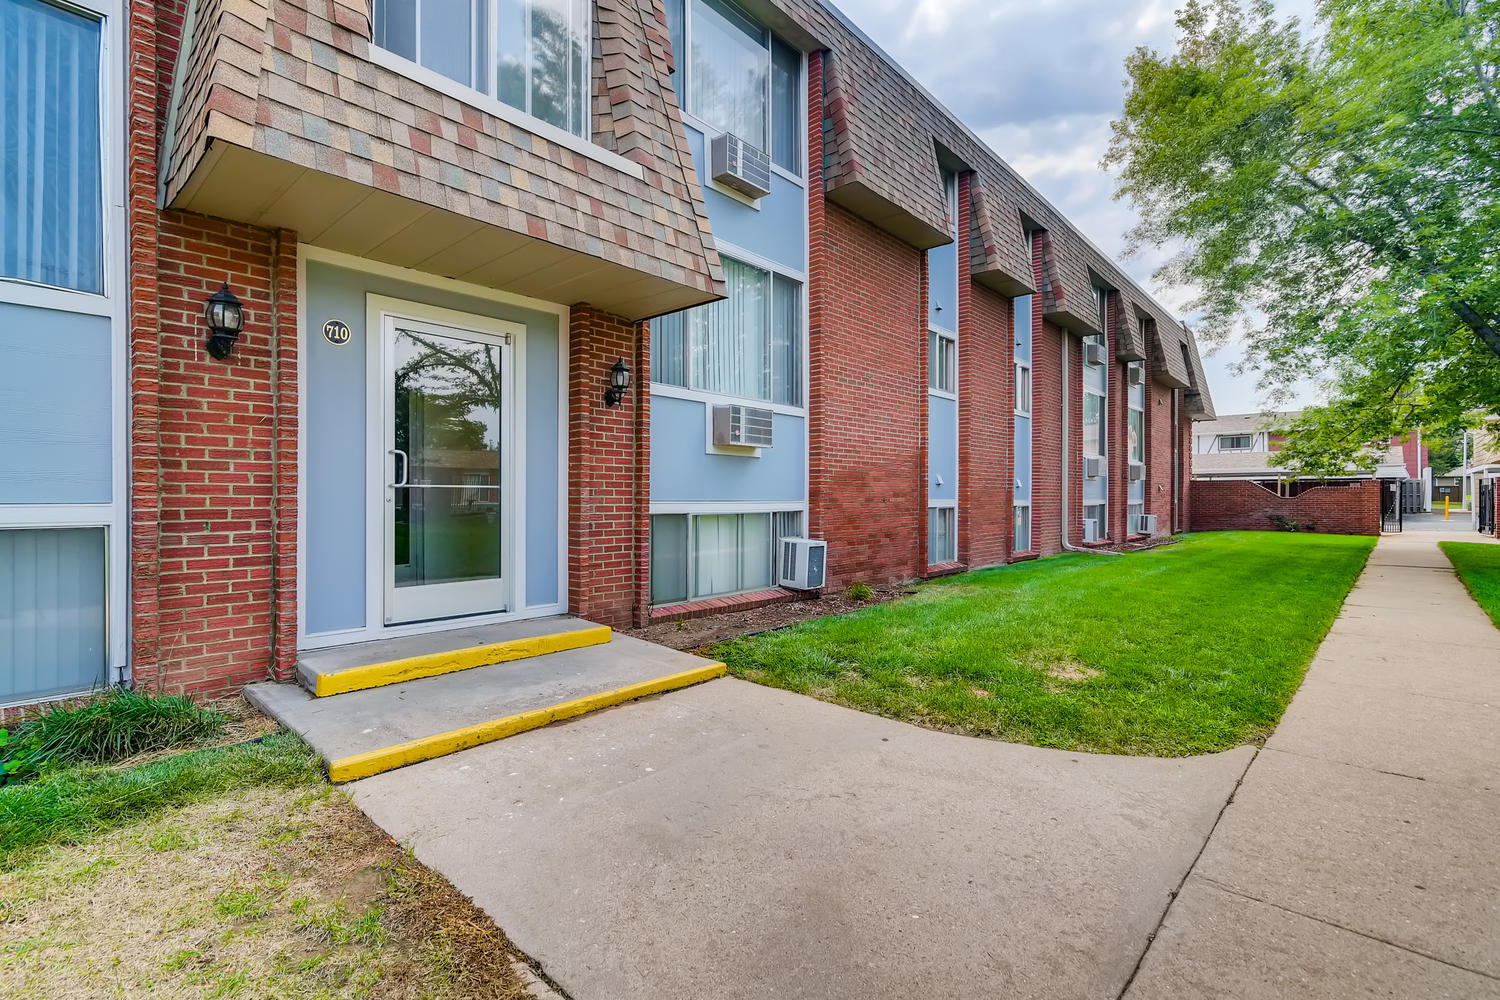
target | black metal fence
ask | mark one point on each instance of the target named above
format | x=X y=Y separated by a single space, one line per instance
x=1391 y=495
x=1486 y=510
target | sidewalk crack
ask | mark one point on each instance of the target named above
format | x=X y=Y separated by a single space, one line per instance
x=1172 y=898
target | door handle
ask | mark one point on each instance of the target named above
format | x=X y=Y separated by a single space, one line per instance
x=405 y=467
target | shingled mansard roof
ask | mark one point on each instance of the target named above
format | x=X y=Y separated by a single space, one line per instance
x=886 y=140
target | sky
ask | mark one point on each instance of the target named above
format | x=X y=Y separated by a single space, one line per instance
x=1039 y=81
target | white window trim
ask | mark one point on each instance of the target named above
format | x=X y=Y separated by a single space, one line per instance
x=1019 y=505
x=933 y=505
x=684 y=71
x=743 y=256
x=481 y=101
x=952 y=338
x=1025 y=366
x=720 y=509
x=113 y=304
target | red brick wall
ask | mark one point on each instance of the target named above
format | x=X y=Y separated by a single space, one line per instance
x=867 y=401
x=1159 y=412
x=226 y=473
x=986 y=421
x=609 y=471
x=1335 y=509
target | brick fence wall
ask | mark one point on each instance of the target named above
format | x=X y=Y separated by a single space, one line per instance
x=1335 y=509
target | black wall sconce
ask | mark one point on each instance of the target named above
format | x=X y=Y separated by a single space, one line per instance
x=226 y=318
x=619 y=383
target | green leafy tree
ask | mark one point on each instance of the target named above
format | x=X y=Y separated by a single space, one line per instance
x=1334 y=198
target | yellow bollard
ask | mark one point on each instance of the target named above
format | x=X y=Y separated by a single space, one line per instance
x=1447 y=507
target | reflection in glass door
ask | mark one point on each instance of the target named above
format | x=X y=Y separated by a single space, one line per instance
x=446 y=430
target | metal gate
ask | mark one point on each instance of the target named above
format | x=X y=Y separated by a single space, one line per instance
x=1486 y=510
x=1390 y=505
x=1411 y=497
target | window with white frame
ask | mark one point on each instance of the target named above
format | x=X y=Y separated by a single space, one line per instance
x=747 y=345
x=1021 y=530
x=1096 y=421
x=530 y=54
x=1023 y=389
x=735 y=76
x=942 y=361
x=1236 y=442
x=51 y=166
x=942 y=535
x=1136 y=418
x=698 y=556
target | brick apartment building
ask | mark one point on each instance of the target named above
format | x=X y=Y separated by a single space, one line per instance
x=450 y=230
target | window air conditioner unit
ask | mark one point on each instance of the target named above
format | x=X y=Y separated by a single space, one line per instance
x=1093 y=354
x=1137 y=374
x=1093 y=468
x=736 y=164
x=1091 y=529
x=1137 y=472
x=1145 y=524
x=804 y=563
x=739 y=426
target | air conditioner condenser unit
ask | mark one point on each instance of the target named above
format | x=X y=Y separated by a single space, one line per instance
x=737 y=164
x=1146 y=524
x=1093 y=468
x=743 y=426
x=1137 y=472
x=1093 y=354
x=803 y=564
x=1091 y=530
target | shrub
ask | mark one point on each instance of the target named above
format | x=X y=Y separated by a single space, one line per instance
x=860 y=592
x=110 y=727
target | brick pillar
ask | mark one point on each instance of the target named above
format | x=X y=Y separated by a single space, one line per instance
x=817 y=301
x=143 y=346
x=285 y=467
x=608 y=470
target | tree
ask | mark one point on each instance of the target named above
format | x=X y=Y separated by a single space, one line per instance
x=1334 y=199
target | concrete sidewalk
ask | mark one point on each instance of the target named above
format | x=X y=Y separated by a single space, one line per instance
x=1360 y=856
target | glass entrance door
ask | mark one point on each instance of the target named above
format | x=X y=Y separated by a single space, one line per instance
x=446 y=459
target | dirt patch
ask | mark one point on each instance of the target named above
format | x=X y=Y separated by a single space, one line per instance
x=265 y=893
x=696 y=633
x=1071 y=672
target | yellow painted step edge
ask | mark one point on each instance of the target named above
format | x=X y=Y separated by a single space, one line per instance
x=364 y=765
x=432 y=664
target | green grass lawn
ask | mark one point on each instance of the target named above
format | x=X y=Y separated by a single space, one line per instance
x=1191 y=648
x=1478 y=565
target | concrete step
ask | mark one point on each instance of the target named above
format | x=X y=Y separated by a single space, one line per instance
x=362 y=665
x=365 y=732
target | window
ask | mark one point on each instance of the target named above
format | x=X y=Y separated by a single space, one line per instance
x=52 y=612
x=1136 y=431
x=748 y=345
x=1097 y=513
x=696 y=556
x=530 y=54
x=942 y=362
x=51 y=169
x=1021 y=539
x=1101 y=306
x=1023 y=390
x=739 y=77
x=1096 y=436
x=1235 y=442
x=942 y=535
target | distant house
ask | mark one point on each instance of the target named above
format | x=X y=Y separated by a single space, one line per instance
x=1241 y=446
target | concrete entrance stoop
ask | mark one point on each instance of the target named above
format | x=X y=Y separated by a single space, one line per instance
x=373 y=706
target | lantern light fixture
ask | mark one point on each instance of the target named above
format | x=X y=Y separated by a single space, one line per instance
x=226 y=318
x=619 y=383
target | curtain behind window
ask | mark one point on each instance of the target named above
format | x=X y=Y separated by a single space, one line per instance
x=786 y=103
x=51 y=197
x=730 y=72
x=52 y=612
x=731 y=353
x=786 y=341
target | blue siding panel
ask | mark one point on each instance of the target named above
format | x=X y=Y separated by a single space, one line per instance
x=942 y=299
x=55 y=393
x=775 y=229
x=334 y=484
x=1023 y=460
x=1023 y=328
x=942 y=448
x=682 y=471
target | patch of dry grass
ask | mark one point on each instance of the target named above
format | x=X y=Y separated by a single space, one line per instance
x=268 y=892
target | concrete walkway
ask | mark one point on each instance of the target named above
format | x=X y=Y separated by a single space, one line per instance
x=731 y=841
x=1360 y=856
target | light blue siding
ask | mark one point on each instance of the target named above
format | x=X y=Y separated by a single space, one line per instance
x=942 y=448
x=1023 y=460
x=682 y=471
x=1022 y=326
x=776 y=229
x=942 y=293
x=335 y=485
x=55 y=392
x=51 y=612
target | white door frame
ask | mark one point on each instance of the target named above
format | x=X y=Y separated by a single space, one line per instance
x=429 y=602
x=380 y=311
